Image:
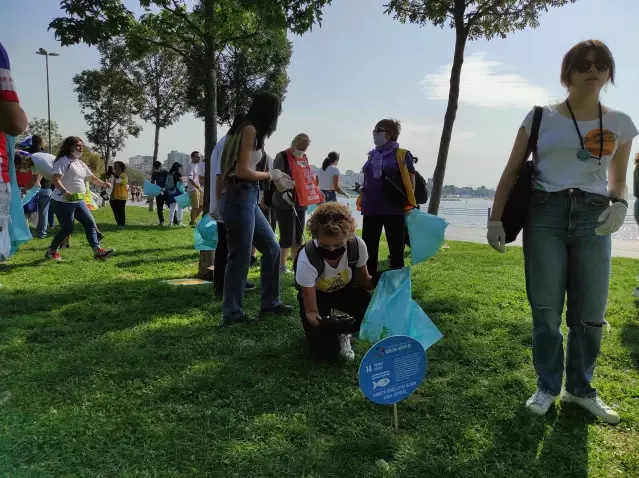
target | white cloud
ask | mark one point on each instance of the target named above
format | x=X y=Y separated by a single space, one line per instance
x=488 y=84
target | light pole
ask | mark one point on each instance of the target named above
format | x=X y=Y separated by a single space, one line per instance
x=46 y=55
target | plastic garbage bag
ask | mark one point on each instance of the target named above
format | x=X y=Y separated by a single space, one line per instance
x=30 y=195
x=151 y=189
x=206 y=234
x=183 y=200
x=19 y=232
x=392 y=311
x=426 y=234
x=311 y=208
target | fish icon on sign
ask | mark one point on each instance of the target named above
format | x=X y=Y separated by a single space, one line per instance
x=381 y=383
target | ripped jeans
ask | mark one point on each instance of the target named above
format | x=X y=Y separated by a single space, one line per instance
x=564 y=257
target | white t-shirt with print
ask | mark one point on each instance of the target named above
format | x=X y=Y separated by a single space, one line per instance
x=75 y=174
x=332 y=278
x=194 y=171
x=558 y=166
x=326 y=178
x=43 y=164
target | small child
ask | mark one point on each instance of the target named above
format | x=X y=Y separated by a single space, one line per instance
x=331 y=273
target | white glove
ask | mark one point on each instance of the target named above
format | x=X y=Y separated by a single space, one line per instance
x=612 y=219
x=496 y=236
x=282 y=181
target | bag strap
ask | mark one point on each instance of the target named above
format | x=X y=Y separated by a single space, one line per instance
x=534 y=132
x=352 y=252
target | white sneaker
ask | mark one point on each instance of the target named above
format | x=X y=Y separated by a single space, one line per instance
x=540 y=402
x=345 y=350
x=284 y=270
x=594 y=405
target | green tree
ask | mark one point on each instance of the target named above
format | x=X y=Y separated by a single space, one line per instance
x=197 y=34
x=136 y=176
x=41 y=126
x=108 y=101
x=471 y=20
x=94 y=161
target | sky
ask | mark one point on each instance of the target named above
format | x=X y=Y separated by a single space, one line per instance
x=361 y=66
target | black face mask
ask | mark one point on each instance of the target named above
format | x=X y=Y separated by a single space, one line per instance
x=331 y=255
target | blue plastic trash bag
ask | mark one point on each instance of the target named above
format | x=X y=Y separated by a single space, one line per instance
x=206 y=234
x=151 y=190
x=311 y=208
x=19 y=232
x=183 y=200
x=392 y=311
x=426 y=234
x=180 y=187
x=30 y=195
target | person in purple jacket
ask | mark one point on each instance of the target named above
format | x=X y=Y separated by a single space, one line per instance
x=378 y=210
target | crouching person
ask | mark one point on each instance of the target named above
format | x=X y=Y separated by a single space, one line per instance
x=331 y=275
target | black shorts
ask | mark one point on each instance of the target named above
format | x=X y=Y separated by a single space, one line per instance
x=291 y=228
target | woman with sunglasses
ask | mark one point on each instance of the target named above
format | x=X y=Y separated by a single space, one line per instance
x=579 y=200
x=331 y=273
x=378 y=209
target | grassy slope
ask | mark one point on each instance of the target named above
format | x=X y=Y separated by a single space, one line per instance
x=112 y=373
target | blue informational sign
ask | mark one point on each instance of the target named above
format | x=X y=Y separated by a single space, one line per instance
x=392 y=369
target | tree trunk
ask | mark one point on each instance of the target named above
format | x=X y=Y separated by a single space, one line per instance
x=156 y=144
x=210 y=121
x=449 y=118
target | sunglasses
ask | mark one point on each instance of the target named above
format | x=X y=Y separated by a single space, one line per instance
x=379 y=129
x=583 y=65
x=326 y=218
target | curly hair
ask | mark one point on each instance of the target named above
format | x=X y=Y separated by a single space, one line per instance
x=332 y=219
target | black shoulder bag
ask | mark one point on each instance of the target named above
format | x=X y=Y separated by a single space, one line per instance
x=516 y=210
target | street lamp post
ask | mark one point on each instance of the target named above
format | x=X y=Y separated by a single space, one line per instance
x=46 y=55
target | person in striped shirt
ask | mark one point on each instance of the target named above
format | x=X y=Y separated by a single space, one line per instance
x=13 y=121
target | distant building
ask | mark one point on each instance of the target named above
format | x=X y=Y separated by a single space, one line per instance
x=143 y=163
x=177 y=157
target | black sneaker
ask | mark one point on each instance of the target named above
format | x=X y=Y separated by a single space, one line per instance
x=249 y=286
x=281 y=309
x=102 y=253
x=242 y=319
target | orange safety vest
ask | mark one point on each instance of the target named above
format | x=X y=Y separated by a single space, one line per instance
x=306 y=188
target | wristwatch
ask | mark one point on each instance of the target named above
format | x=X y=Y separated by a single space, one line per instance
x=622 y=201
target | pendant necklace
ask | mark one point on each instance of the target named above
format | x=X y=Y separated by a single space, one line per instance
x=583 y=154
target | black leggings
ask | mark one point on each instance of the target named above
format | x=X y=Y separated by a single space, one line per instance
x=323 y=339
x=160 y=199
x=372 y=233
x=119 y=211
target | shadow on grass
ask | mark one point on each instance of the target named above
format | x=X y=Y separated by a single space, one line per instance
x=630 y=339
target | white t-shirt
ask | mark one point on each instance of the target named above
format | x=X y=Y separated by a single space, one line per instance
x=43 y=164
x=326 y=178
x=194 y=171
x=558 y=166
x=332 y=278
x=75 y=174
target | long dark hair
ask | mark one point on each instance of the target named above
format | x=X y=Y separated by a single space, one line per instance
x=263 y=113
x=237 y=121
x=121 y=164
x=332 y=158
x=174 y=169
x=67 y=144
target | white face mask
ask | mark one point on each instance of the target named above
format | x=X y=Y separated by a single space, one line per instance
x=77 y=154
x=379 y=139
x=298 y=153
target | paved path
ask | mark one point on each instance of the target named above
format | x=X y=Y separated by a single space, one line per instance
x=620 y=247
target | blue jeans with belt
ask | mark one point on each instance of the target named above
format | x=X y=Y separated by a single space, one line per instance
x=564 y=257
x=66 y=212
x=246 y=226
x=44 y=200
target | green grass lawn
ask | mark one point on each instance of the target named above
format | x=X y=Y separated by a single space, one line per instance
x=110 y=372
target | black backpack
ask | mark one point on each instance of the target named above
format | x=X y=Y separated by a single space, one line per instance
x=352 y=255
x=421 y=191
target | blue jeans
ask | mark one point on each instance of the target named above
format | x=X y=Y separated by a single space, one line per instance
x=44 y=200
x=66 y=213
x=246 y=225
x=563 y=256
x=330 y=196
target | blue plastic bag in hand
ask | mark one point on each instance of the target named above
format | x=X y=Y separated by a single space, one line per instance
x=426 y=234
x=151 y=190
x=206 y=234
x=30 y=194
x=183 y=200
x=19 y=232
x=393 y=311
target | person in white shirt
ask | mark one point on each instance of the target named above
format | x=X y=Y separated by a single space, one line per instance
x=328 y=178
x=331 y=273
x=578 y=200
x=70 y=175
x=195 y=176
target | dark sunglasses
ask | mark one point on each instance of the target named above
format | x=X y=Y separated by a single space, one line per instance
x=583 y=65
x=326 y=218
x=379 y=129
